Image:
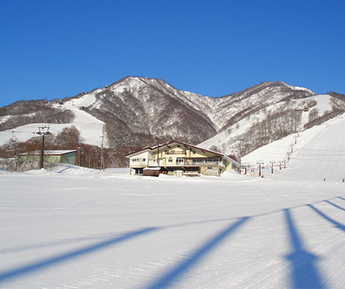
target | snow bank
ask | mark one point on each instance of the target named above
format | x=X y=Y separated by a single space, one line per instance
x=232 y=175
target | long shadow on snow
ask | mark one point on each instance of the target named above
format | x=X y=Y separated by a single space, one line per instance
x=335 y=223
x=4 y=276
x=340 y=208
x=305 y=273
x=170 y=277
x=108 y=235
x=165 y=280
x=60 y=242
x=103 y=236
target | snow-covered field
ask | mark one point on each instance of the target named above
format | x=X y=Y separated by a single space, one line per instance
x=82 y=228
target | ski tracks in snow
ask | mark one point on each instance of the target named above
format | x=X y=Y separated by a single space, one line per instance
x=295 y=260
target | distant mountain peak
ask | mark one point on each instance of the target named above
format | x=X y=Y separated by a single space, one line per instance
x=297 y=87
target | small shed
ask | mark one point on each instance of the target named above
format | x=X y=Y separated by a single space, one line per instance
x=153 y=172
x=52 y=156
x=61 y=156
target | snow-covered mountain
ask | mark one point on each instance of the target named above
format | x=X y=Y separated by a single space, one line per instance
x=141 y=111
x=274 y=119
x=138 y=111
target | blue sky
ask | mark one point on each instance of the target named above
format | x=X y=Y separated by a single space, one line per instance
x=53 y=49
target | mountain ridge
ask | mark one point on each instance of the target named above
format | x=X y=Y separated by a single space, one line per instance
x=140 y=111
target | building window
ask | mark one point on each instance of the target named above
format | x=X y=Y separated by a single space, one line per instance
x=209 y=168
x=138 y=160
x=179 y=160
x=170 y=160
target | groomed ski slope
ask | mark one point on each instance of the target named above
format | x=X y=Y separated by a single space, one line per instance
x=90 y=128
x=323 y=157
x=315 y=154
x=81 y=228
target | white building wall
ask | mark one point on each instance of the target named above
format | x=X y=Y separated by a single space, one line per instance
x=140 y=160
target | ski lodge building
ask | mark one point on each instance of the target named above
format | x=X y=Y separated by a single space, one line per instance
x=178 y=158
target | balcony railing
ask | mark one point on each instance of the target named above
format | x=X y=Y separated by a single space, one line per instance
x=166 y=163
x=202 y=163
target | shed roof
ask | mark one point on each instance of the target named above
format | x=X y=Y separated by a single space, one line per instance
x=59 y=152
x=53 y=152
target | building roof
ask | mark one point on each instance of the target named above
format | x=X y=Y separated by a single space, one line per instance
x=156 y=147
x=52 y=152
x=59 y=152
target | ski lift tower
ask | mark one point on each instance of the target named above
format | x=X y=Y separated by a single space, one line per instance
x=42 y=131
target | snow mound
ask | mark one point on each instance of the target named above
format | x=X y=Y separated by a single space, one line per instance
x=118 y=171
x=232 y=175
x=72 y=170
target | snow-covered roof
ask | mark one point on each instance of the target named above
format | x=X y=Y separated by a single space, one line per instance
x=152 y=169
x=54 y=152
x=156 y=147
x=59 y=152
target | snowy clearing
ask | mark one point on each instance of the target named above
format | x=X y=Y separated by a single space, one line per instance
x=81 y=228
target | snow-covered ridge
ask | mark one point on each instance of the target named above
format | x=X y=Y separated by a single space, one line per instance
x=90 y=128
x=85 y=100
x=143 y=108
x=227 y=140
x=298 y=87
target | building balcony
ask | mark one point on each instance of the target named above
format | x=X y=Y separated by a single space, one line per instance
x=189 y=163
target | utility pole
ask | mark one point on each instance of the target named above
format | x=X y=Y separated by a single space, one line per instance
x=42 y=131
x=14 y=148
x=102 y=145
x=158 y=155
x=240 y=154
x=79 y=148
